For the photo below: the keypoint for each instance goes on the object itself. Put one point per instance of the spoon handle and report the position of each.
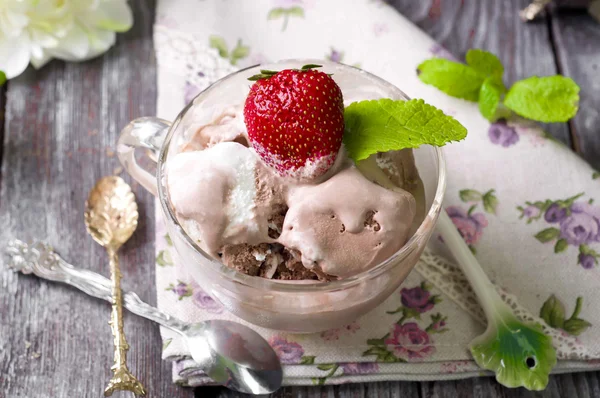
(479, 281)
(40, 259)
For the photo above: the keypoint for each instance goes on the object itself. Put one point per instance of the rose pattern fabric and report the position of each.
(359, 368)
(502, 134)
(287, 351)
(572, 222)
(416, 298)
(409, 342)
(470, 226)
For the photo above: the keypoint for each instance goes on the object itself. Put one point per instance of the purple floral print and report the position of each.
(579, 228)
(359, 368)
(181, 289)
(555, 213)
(573, 222)
(416, 298)
(287, 351)
(531, 212)
(205, 301)
(409, 342)
(502, 134)
(470, 226)
(587, 261)
(335, 55)
(190, 92)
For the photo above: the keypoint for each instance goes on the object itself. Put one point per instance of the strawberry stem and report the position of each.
(310, 66)
(265, 73)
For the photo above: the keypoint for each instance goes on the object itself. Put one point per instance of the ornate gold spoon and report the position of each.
(111, 216)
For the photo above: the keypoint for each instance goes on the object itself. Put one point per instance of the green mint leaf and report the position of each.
(453, 78)
(484, 62)
(386, 125)
(489, 97)
(545, 99)
(561, 246)
(548, 234)
(218, 43)
(2, 78)
(469, 195)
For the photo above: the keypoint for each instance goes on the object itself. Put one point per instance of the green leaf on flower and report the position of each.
(453, 78)
(307, 360)
(470, 195)
(164, 258)
(239, 52)
(595, 174)
(166, 343)
(326, 366)
(219, 43)
(382, 354)
(295, 11)
(520, 354)
(545, 99)
(547, 235)
(490, 202)
(576, 326)
(585, 249)
(490, 95)
(471, 210)
(553, 312)
(484, 62)
(383, 125)
(275, 13)
(168, 240)
(561, 246)
(2, 78)
(376, 342)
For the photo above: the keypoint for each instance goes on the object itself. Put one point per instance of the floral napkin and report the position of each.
(523, 202)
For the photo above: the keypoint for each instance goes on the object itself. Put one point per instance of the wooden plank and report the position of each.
(61, 126)
(577, 38)
(525, 49)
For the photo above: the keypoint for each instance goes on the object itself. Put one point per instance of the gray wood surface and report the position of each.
(58, 127)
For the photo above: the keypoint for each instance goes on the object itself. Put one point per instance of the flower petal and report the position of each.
(114, 15)
(14, 55)
(39, 60)
(100, 41)
(74, 46)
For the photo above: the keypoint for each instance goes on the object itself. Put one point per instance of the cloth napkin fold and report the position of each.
(523, 202)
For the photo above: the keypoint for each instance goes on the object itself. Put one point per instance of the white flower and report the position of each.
(73, 30)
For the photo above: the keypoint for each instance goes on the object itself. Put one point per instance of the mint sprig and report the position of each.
(383, 125)
(544, 99)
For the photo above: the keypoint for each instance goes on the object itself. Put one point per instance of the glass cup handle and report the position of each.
(148, 133)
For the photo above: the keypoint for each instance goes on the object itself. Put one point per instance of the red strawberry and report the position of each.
(295, 120)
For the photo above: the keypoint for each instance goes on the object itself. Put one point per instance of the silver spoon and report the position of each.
(229, 353)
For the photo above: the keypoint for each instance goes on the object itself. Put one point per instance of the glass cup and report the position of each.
(293, 306)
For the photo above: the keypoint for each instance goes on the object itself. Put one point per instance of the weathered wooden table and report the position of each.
(59, 126)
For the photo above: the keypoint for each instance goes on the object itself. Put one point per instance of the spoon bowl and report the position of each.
(234, 356)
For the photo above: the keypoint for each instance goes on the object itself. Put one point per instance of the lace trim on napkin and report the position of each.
(449, 279)
(185, 55)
